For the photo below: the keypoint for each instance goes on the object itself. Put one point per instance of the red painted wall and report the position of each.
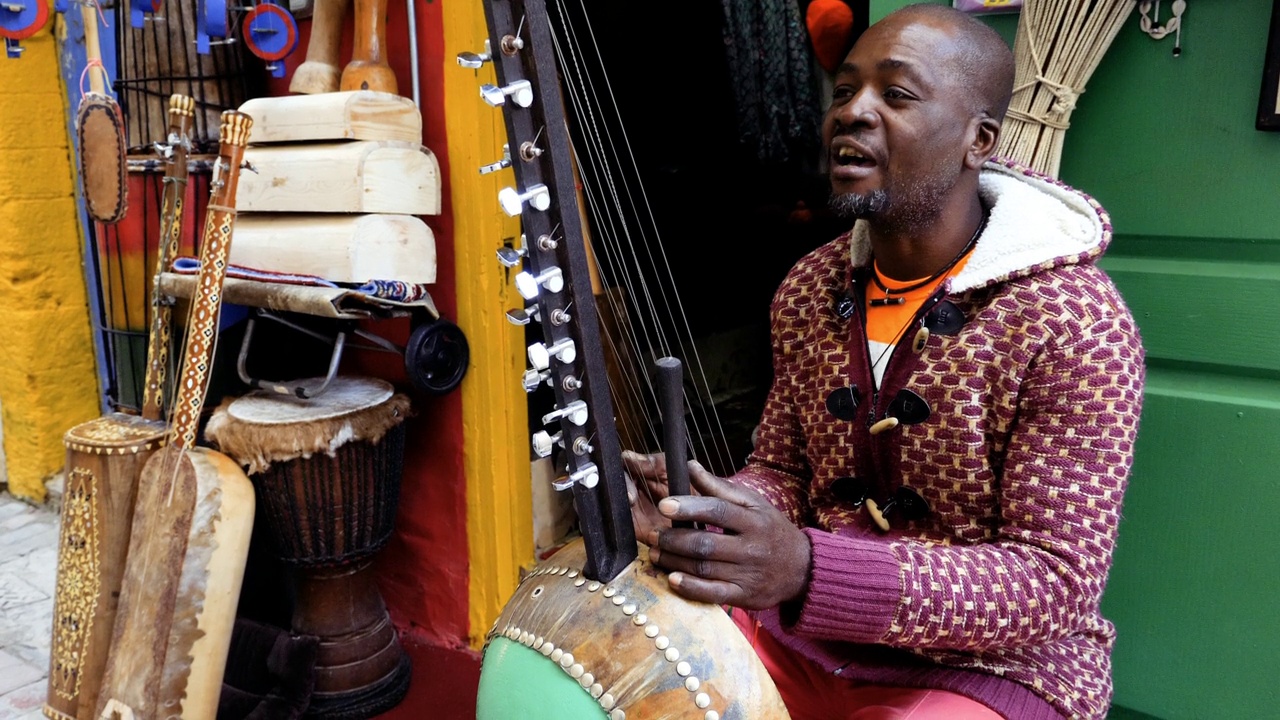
(423, 573)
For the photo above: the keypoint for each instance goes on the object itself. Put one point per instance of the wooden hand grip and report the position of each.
(320, 72)
(368, 69)
(92, 48)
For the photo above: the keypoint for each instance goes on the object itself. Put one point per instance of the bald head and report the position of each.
(979, 59)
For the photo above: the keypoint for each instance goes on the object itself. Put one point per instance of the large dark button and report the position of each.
(908, 407)
(908, 504)
(944, 319)
(851, 490)
(843, 403)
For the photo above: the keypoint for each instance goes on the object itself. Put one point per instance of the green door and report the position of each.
(1168, 146)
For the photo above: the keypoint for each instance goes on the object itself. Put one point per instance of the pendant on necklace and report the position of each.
(844, 307)
(881, 302)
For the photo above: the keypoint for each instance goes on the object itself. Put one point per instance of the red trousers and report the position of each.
(812, 694)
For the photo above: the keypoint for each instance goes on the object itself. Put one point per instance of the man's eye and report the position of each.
(895, 94)
(842, 93)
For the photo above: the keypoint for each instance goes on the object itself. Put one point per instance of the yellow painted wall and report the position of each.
(494, 406)
(48, 380)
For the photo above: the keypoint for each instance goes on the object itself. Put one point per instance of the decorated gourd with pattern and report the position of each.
(630, 645)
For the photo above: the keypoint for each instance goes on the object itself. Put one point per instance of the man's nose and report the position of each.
(860, 111)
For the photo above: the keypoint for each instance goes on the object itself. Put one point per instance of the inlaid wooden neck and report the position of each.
(181, 115)
(206, 301)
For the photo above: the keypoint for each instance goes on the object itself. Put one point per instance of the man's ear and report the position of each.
(985, 131)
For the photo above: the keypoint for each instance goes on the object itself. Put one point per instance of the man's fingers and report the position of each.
(702, 568)
(649, 467)
(657, 487)
(718, 501)
(707, 484)
(704, 509)
(716, 592)
(700, 545)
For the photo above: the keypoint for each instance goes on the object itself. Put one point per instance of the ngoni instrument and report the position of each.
(594, 627)
(105, 456)
(192, 519)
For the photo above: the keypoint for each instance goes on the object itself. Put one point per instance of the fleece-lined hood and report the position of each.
(1036, 223)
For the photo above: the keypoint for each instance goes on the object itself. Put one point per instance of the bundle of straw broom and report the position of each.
(1058, 46)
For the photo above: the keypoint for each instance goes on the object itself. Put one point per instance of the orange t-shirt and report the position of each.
(886, 324)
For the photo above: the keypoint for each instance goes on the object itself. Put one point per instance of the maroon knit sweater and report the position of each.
(1023, 461)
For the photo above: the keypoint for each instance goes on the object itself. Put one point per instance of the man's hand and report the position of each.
(646, 485)
(760, 561)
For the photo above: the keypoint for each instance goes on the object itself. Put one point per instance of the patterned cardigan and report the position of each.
(1033, 393)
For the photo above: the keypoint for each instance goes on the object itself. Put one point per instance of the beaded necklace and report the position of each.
(888, 292)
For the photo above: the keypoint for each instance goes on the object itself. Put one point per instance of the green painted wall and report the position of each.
(1168, 146)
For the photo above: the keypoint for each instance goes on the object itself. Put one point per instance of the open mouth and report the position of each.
(849, 157)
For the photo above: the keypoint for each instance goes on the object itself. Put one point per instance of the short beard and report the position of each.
(852, 206)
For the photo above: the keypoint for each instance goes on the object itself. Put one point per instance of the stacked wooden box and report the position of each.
(334, 186)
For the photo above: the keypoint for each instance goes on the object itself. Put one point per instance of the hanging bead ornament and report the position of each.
(1150, 22)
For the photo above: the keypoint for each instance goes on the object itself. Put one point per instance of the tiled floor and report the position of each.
(28, 570)
(444, 683)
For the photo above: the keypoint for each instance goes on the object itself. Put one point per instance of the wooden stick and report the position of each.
(93, 48)
(674, 445)
(321, 73)
(368, 69)
(181, 115)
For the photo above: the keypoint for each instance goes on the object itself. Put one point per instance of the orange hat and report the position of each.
(830, 25)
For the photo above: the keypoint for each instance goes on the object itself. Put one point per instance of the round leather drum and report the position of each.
(328, 470)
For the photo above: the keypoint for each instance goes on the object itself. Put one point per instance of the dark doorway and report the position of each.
(730, 218)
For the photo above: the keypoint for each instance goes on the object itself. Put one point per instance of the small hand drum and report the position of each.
(328, 473)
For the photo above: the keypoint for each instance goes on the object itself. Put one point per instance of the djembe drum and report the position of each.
(328, 473)
(570, 648)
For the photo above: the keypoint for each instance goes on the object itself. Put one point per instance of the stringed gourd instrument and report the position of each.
(105, 457)
(192, 519)
(594, 631)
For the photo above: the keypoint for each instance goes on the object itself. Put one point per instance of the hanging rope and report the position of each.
(1058, 46)
(1150, 24)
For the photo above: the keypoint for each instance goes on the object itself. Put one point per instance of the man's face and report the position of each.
(896, 129)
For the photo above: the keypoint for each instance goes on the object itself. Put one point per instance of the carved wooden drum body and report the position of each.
(328, 473)
(105, 456)
(629, 648)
